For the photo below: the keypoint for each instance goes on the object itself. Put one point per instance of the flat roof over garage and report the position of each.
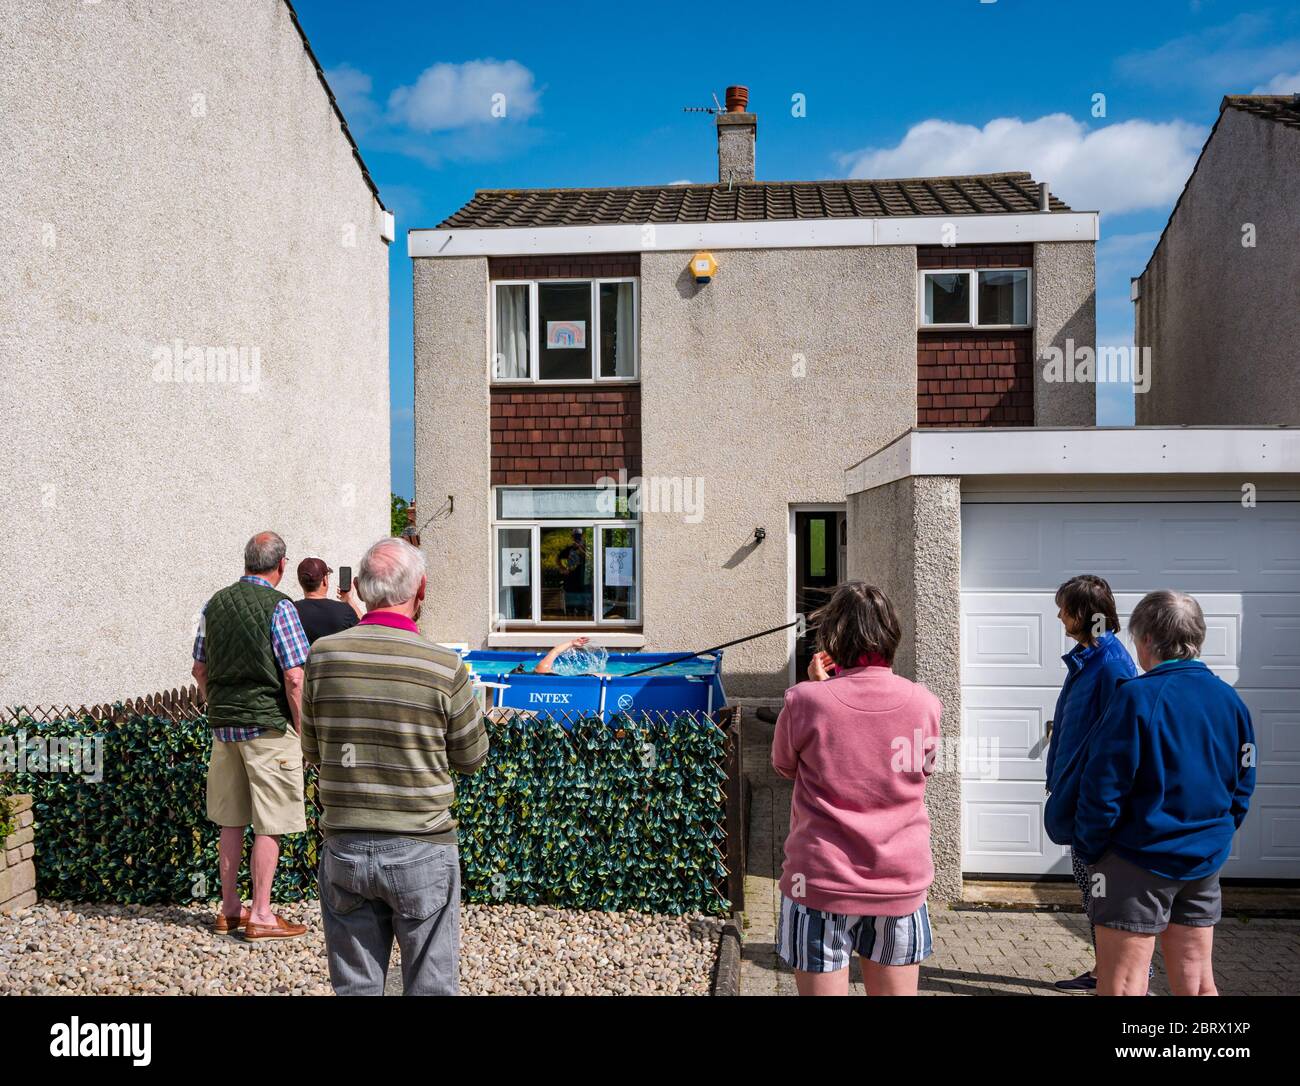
(1087, 450)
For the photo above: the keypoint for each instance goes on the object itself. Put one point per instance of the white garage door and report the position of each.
(1243, 565)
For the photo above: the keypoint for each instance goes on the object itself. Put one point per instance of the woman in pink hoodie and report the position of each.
(858, 741)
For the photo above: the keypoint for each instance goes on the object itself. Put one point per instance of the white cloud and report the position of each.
(351, 89)
(1120, 167)
(451, 102)
(451, 96)
(1280, 84)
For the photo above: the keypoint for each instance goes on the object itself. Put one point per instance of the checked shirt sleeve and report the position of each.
(288, 638)
(200, 652)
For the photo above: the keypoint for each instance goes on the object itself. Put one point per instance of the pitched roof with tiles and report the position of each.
(1282, 108)
(752, 201)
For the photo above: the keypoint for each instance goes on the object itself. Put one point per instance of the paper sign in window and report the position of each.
(514, 567)
(566, 335)
(620, 567)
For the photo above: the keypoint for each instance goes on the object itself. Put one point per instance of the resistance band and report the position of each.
(716, 648)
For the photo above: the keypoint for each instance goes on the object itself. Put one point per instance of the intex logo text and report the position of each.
(550, 699)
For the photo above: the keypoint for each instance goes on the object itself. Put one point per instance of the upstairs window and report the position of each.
(567, 330)
(975, 298)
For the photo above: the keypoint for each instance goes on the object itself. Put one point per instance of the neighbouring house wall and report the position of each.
(1221, 319)
(453, 444)
(905, 537)
(763, 384)
(174, 172)
(1065, 309)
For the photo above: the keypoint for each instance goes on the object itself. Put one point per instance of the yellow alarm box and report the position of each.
(703, 266)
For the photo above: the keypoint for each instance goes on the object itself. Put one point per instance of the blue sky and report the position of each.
(594, 95)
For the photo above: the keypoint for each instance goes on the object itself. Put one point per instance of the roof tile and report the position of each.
(1282, 108)
(757, 201)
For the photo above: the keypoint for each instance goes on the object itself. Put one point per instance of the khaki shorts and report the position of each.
(258, 781)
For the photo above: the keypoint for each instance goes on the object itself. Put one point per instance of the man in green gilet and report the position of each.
(249, 655)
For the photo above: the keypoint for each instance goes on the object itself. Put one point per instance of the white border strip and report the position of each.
(775, 234)
(1155, 450)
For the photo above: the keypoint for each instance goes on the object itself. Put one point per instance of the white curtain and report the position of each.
(625, 333)
(512, 332)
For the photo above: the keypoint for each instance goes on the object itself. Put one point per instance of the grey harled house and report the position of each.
(561, 337)
(837, 320)
(196, 345)
(1218, 303)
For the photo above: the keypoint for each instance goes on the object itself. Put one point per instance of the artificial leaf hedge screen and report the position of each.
(610, 816)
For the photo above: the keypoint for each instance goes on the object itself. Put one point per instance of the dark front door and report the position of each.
(819, 559)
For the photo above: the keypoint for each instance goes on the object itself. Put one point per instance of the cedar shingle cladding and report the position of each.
(573, 266)
(754, 201)
(974, 377)
(564, 434)
(970, 377)
(938, 257)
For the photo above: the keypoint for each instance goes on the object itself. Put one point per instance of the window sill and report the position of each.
(974, 327)
(550, 638)
(523, 382)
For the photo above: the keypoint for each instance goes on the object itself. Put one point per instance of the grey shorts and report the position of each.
(1131, 898)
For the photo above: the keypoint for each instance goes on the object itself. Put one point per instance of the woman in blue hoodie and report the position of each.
(1168, 781)
(1094, 668)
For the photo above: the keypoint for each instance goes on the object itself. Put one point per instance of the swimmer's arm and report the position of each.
(546, 662)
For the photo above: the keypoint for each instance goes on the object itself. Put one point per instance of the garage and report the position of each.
(970, 531)
(1242, 564)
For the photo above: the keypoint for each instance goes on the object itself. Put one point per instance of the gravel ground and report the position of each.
(54, 948)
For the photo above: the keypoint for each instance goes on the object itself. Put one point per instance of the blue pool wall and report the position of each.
(574, 696)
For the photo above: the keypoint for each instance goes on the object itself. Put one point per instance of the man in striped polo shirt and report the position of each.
(387, 715)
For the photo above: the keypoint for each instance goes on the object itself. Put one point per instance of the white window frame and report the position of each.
(972, 320)
(534, 526)
(534, 332)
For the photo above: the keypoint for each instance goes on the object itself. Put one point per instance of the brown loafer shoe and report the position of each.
(281, 929)
(224, 925)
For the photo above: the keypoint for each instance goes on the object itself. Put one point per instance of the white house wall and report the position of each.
(174, 172)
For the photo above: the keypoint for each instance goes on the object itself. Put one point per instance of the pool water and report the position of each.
(623, 666)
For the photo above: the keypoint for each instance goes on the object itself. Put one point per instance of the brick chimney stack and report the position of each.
(737, 132)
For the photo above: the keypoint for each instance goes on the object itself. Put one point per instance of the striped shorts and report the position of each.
(813, 941)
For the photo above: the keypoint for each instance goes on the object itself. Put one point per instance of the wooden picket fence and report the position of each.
(183, 703)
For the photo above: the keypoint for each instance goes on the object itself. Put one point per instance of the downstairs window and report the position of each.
(566, 556)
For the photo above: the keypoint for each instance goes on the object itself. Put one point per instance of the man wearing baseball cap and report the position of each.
(321, 615)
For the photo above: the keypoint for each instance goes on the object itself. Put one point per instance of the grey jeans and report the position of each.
(374, 888)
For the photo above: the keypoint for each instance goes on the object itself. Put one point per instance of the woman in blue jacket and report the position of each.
(1167, 783)
(1094, 668)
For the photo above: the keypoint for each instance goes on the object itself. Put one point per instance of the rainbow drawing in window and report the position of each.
(566, 335)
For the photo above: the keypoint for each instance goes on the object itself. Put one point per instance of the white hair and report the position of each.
(1172, 621)
(389, 573)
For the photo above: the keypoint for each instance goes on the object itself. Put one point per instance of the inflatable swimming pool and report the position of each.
(685, 686)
